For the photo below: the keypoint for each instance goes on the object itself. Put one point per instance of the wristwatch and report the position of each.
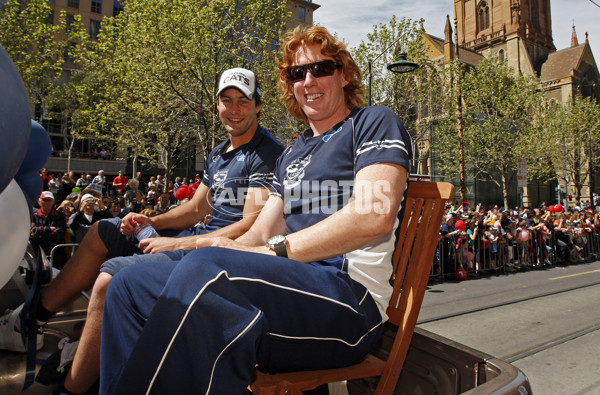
(278, 244)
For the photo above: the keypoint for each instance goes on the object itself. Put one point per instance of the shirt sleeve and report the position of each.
(276, 186)
(380, 137)
(260, 171)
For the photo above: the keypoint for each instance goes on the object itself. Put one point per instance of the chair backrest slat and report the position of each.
(412, 260)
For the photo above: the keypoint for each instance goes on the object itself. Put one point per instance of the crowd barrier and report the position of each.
(541, 249)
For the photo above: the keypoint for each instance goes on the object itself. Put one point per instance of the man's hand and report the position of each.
(127, 228)
(231, 244)
(154, 245)
(85, 204)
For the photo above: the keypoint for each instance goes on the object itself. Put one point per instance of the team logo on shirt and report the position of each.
(219, 180)
(295, 172)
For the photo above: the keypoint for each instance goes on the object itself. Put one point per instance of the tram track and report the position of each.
(546, 323)
(550, 344)
(503, 303)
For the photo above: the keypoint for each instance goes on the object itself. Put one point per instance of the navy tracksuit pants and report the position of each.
(200, 325)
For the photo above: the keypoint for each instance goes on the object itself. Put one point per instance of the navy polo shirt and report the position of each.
(228, 175)
(315, 176)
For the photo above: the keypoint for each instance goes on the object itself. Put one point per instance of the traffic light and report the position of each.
(570, 197)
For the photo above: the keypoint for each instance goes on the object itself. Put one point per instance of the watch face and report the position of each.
(276, 239)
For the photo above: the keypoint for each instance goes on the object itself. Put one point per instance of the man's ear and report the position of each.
(345, 80)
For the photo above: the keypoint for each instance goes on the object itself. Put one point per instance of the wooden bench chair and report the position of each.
(412, 262)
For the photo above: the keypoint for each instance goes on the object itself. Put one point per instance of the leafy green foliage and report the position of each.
(563, 141)
(152, 77)
(499, 112)
(419, 97)
(36, 46)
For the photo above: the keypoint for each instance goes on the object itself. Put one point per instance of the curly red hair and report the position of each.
(305, 36)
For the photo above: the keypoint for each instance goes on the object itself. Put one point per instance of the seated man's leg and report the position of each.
(103, 240)
(85, 368)
(121, 322)
(223, 311)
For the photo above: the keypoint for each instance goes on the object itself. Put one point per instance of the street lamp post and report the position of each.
(402, 65)
(591, 170)
(459, 117)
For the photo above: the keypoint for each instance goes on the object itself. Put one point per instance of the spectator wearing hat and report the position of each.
(48, 228)
(91, 209)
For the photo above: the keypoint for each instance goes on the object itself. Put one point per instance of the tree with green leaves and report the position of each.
(566, 135)
(499, 111)
(36, 46)
(156, 67)
(419, 97)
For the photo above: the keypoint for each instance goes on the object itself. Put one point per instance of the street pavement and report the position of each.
(545, 322)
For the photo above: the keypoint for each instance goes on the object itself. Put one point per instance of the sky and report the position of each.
(353, 19)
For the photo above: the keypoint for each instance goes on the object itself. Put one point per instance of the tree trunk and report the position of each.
(505, 189)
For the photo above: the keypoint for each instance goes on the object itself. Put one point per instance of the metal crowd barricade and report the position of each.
(539, 250)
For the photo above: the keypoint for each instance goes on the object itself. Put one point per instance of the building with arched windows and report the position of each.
(519, 32)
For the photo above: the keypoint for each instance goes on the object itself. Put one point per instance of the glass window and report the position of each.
(302, 14)
(50, 19)
(73, 4)
(70, 21)
(68, 52)
(117, 7)
(94, 29)
(96, 6)
(483, 15)
(501, 55)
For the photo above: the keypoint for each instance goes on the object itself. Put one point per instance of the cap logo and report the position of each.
(237, 77)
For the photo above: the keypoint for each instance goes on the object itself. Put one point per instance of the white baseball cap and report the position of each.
(87, 196)
(46, 194)
(243, 80)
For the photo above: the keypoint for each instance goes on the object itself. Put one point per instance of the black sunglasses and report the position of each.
(322, 68)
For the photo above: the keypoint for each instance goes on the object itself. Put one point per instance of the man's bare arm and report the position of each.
(181, 217)
(255, 200)
(369, 215)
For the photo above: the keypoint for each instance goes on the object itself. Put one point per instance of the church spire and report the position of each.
(574, 42)
(448, 30)
(448, 44)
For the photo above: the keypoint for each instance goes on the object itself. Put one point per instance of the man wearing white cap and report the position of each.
(91, 210)
(48, 227)
(234, 188)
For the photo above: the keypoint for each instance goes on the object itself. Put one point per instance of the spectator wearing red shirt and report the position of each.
(120, 183)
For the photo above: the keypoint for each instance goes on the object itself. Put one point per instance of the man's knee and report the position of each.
(101, 285)
(92, 239)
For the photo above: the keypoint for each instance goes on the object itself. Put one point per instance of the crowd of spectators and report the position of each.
(473, 239)
(498, 238)
(70, 204)
(94, 153)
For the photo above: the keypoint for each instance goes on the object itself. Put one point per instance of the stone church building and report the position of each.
(520, 33)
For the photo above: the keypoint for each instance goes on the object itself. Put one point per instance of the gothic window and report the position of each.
(501, 55)
(483, 15)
